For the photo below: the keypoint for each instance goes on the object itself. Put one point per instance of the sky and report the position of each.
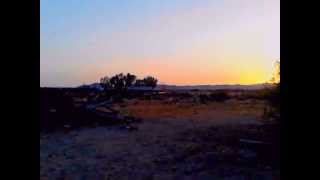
(182, 42)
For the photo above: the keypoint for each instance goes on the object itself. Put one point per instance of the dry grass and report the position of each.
(166, 142)
(154, 109)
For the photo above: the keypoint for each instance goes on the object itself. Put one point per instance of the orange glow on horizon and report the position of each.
(182, 43)
(172, 71)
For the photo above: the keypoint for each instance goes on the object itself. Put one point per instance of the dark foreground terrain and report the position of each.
(156, 137)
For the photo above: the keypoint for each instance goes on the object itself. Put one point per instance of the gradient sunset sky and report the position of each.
(183, 42)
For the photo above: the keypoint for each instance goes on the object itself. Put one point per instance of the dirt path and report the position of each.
(161, 148)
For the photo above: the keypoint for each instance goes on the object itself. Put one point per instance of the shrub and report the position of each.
(219, 96)
(150, 81)
(273, 97)
(204, 98)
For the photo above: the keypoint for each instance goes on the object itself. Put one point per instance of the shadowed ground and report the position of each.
(174, 141)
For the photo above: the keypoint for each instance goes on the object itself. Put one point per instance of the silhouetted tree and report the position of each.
(129, 80)
(118, 81)
(276, 75)
(273, 97)
(123, 82)
(150, 81)
(275, 100)
(105, 82)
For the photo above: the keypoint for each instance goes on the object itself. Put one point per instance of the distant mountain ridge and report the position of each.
(215, 87)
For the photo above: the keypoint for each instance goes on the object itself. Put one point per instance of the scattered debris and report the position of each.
(199, 152)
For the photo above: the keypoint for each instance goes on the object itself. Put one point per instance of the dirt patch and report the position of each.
(174, 141)
(213, 111)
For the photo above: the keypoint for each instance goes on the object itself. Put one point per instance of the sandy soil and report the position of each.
(166, 144)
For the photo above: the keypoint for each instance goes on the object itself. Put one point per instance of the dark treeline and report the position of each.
(124, 81)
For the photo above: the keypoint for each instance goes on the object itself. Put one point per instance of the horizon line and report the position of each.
(164, 84)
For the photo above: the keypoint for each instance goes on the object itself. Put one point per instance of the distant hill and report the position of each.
(214, 87)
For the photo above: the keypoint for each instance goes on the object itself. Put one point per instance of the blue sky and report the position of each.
(178, 41)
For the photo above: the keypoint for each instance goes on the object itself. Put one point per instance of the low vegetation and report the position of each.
(176, 132)
(122, 82)
(273, 97)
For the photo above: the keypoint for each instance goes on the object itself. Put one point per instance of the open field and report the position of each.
(212, 112)
(177, 138)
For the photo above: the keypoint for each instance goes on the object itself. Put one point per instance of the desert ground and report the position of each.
(174, 140)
